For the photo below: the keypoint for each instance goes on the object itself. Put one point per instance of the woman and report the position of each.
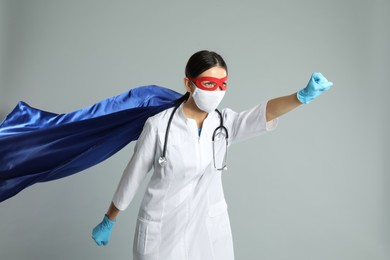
(183, 214)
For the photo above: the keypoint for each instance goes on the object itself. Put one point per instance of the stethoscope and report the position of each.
(220, 129)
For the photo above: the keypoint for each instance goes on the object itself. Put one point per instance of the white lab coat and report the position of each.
(183, 215)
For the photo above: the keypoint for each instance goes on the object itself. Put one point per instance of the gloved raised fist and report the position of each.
(102, 232)
(317, 84)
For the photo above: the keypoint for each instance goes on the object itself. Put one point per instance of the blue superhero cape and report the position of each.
(39, 146)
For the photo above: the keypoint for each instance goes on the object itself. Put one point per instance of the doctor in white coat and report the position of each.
(183, 215)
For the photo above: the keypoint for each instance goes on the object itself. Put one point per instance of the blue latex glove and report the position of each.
(102, 232)
(317, 84)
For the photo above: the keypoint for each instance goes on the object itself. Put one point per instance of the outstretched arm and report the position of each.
(279, 106)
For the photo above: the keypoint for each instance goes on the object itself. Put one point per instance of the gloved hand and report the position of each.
(317, 84)
(102, 232)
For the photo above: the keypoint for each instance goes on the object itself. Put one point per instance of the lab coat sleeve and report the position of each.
(249, 123)
(137, 168)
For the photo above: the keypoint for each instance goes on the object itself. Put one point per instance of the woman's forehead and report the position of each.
(216, 72)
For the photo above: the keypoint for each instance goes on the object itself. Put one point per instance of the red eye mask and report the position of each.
(210, 83)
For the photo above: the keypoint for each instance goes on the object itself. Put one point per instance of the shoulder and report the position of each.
(231, 115)
(228, 113)
(155, 122)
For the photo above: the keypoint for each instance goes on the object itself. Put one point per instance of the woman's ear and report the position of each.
(188, 84)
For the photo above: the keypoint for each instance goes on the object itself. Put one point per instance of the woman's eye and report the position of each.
(209, 84)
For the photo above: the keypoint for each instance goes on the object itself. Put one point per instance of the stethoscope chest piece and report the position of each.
(162, 161)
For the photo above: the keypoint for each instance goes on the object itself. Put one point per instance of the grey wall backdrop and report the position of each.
(2, 56)
(316, 188)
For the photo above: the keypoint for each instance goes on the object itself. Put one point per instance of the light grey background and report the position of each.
(316, 188)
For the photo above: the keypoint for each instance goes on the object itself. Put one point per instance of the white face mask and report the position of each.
(207, 101)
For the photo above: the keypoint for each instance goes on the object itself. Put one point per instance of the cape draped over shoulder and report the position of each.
(39, 146)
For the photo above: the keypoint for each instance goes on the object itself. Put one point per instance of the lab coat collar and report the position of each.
(186, 119)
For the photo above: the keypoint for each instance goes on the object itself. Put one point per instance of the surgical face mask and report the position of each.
(207, 101)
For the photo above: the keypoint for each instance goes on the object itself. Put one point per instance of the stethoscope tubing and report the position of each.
(162, 159)
(167, 132)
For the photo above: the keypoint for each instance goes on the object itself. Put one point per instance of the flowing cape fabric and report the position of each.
(38, 146)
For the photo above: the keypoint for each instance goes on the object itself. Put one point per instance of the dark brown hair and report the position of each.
(202, 61)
